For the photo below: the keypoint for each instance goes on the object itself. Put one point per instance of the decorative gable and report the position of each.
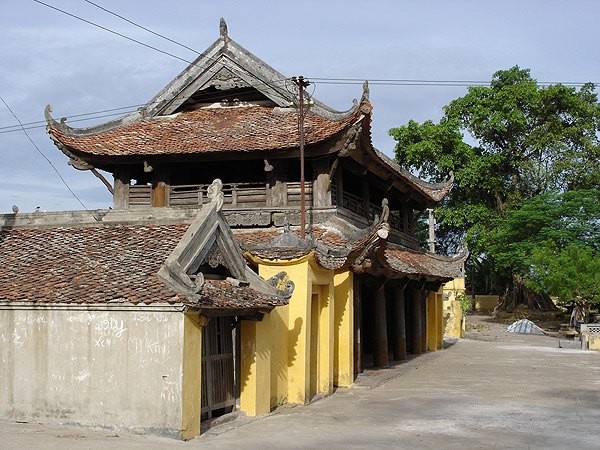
(208, 251)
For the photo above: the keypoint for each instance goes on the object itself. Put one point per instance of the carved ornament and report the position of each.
(224, 80)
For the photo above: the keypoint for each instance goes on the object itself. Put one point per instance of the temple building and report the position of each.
(269, 264)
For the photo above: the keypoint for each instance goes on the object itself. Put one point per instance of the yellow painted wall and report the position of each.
(453, 314)
(255, 373)
(343, 368)
(326, 337)
(191, 385)
(439, 305)
(288, 336)
(593, 342)
(285, 335)
(486, 303)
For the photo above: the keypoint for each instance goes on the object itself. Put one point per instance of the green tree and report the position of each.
(552, 242)
(505, 143)
(571, 274)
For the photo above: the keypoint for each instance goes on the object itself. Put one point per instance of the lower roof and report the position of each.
(117, 262)
(104, 264)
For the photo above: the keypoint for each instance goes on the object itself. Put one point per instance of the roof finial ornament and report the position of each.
(366, 90)
(215, 193)
(223, 28)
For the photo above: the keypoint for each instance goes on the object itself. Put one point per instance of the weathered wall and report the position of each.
(453, 318)
(486, 303)
(116, 369)
(289, 356)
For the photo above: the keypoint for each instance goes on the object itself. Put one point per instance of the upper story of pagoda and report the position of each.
(231, 116)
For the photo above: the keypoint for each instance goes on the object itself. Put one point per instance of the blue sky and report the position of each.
(50, 58)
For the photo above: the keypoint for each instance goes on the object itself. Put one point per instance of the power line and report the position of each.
(316, 80)
(43, 122)
(112, 31)
(141, 26)
(425, 82)
(48, 160)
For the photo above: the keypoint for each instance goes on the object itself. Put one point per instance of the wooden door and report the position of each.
(218, 368)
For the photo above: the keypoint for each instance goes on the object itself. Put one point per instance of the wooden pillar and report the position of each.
(432, 328)
(276, 179)
(366, 197)
(321, 193)
(380, 351)
(160, 189)
(417, 322)
(399, 323)
(339, 182)
(357, 300)
(424, 327)
(121, 191)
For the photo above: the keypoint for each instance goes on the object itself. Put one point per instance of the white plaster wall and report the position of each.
(114, 369)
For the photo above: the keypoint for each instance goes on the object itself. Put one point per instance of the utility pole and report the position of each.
(302, 84)
(431, 240)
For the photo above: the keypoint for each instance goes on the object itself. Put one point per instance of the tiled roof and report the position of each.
(100, 264)
(334, 249)
(414, 263)
(206, 130)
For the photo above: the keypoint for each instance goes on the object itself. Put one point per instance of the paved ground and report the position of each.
(491, 390)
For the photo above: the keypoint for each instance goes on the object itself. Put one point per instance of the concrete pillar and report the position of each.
(255, 379)
(326, 338)
(191, 383)
(380, 341)
(343, 369)
(399, 324)
(299, 335)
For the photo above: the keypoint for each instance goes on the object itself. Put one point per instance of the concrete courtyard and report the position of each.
(491, 390)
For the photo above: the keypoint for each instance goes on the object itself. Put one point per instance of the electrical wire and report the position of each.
(112, 31)
(141, 26)
(314, 80)
(48, 160)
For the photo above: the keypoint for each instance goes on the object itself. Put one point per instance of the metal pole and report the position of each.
(301, 83)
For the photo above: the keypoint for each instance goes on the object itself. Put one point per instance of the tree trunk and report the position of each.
(520, 294)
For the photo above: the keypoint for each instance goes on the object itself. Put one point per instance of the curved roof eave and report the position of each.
(223, 53)
(433, 193)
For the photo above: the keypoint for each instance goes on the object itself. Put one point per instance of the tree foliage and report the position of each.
(553, 242)
(506, 143)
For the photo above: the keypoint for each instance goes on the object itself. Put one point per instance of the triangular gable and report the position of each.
(227, 65)
(209, 240)
(224, 65)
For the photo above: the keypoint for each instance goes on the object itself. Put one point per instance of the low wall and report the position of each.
(112, 368)
(486, 303)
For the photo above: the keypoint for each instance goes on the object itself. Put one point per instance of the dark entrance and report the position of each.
(219, 391)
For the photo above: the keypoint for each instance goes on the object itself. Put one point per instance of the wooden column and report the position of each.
(160, 189)
(423, 295)
(399, 323)
(121, 191)
(366, 197)
(339, 182)
(276, 178)
(417, 322)
(321, 194)
(380, 341)
(357, 326)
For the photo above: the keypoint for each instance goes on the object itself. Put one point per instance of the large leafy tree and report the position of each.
(505, 143)
(553, 243)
